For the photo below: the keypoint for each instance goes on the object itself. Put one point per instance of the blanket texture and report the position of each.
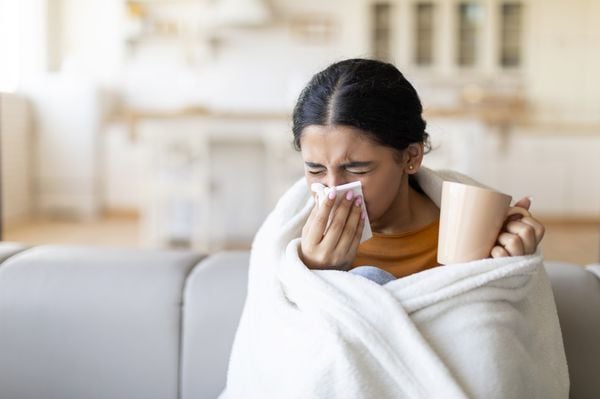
(483, 329)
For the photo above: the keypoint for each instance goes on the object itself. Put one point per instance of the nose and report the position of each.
(334, 179)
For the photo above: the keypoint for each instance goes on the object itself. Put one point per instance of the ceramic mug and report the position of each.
(470, 220)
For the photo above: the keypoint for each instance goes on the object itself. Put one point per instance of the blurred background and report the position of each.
(166, 123)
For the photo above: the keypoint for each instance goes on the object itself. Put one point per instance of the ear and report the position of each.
(413, 155)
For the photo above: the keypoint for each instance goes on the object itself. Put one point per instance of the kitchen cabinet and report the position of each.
(211, 181)
(558, 166)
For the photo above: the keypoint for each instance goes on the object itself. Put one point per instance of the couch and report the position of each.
(86, 323)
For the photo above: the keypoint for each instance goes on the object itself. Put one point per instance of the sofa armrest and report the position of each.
(8, 249)
(595, 269)
(214, 297)
(577, 295)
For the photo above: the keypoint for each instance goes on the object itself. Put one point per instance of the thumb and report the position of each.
(524, 202)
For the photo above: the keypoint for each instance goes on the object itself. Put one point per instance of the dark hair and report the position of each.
(366, 94)
(370, 95)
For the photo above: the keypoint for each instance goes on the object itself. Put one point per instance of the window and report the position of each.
(424, 33)
(469, 21)
(381, 13)
(510, 35)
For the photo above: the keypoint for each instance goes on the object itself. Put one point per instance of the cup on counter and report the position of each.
(470, 220)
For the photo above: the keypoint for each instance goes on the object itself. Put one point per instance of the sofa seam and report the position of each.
(194, 264)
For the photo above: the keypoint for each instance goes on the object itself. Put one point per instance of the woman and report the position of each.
(309, 329)
(361, 120)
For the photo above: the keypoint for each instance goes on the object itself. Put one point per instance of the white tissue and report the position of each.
(322, 191)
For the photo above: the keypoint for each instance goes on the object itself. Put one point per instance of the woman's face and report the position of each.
(335, 155)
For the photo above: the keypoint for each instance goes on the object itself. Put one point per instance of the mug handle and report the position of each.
(517, 210)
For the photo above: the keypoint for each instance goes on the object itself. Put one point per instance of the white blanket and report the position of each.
(484, 329)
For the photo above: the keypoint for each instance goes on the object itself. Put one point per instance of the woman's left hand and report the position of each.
(519, 237)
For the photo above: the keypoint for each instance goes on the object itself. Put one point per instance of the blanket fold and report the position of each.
(483, 329)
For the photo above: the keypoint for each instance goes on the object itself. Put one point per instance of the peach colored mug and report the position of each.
(470, 220)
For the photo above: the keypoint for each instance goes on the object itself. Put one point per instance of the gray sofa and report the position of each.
(91, 323)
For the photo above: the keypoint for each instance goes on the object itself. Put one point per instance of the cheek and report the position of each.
(379, 196)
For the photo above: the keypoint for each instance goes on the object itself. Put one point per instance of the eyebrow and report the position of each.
(353, 164)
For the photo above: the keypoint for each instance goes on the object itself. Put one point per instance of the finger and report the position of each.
(352, 225)
(499, 252)
(527, 234)
(338, 222)
(357, 236)
(524, 202)
(309, 220)
(538, 228)
(321, 218)
(512, 243)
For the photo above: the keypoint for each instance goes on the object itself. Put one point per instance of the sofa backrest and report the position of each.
(95, 323)
(91, 323)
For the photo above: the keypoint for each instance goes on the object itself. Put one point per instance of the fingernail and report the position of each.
(349, 195)
(530, 199)
(363, 215)
(358, 201)
(332, 194)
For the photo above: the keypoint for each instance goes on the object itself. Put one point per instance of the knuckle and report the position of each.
(328, 203)
(529, 232)
(513, 241)
(306, 248)
(321, 219)
(348, 202)
(337, 223)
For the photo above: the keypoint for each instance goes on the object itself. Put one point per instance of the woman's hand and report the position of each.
(519, 237)
(334, 247)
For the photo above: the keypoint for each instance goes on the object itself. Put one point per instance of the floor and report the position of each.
(575, 242)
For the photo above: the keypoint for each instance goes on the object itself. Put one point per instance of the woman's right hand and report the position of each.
(334, 247)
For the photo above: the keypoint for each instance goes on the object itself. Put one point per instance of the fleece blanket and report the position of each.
(483, 329)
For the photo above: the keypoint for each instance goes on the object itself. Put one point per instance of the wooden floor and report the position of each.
(576, 242)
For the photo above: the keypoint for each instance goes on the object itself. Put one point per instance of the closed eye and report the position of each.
(357, 172)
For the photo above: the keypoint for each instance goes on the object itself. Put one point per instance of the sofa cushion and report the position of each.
(91, 323)
(214, 297)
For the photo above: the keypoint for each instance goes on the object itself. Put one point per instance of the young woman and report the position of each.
(361, 120)
(309, 329)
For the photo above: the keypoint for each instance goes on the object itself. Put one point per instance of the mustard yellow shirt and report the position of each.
(401, 254)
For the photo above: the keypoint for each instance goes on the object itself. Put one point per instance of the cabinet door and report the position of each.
(238, 189)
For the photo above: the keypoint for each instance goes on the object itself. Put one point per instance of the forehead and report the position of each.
(335, 143)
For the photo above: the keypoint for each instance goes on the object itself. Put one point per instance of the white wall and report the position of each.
(250, 69)
(91, 37)
(559, 70)
(562, 80)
